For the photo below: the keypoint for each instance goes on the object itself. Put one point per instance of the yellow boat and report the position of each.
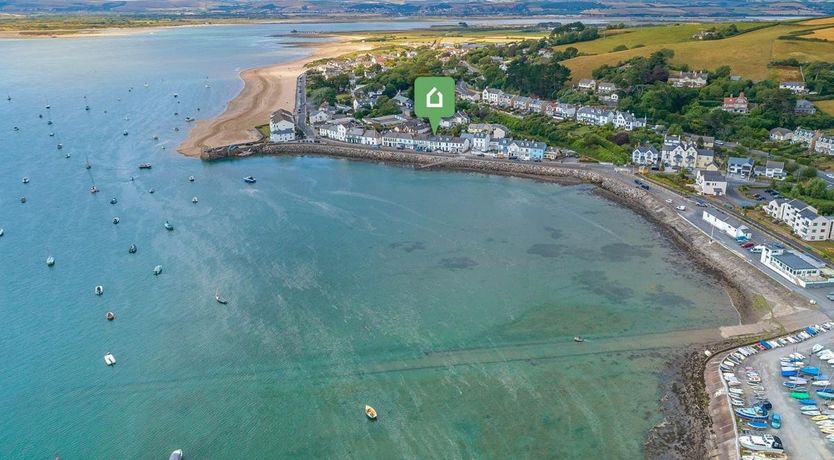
(370, 412)
(817, 418)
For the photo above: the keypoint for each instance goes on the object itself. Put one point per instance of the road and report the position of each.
(798, 433)
(694, 215)
(301, 107)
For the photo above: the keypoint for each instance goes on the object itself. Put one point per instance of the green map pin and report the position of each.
(434, 98)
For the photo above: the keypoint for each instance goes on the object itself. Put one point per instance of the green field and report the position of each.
(748, 54)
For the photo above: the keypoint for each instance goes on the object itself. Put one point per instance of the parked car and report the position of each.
(748, 245)
(757, 249)
(668, 201)
(680, 207)
(701, 204)
(644, 186)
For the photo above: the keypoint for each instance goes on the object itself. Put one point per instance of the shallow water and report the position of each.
(446, 300)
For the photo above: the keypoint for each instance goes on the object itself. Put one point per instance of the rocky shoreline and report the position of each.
(686, 428)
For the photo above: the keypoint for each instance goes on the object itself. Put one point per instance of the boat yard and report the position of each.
(781, 376)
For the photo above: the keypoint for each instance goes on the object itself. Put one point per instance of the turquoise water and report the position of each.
(446, 300)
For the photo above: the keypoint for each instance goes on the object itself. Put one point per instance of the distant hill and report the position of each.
(445, 8)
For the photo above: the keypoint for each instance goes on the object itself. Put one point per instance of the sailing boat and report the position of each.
(219, 299)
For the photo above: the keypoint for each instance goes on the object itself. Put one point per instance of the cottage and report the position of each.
(726, 223)
(710, 183)
(281, 126)
(479, 141)
(705, 159)
(689, 79)
(804, 107)
(781, 134)
(587, 84)
(627, 121)
(740, 166)
(458, 118)
(402, 101)
(796, 87)
(495, 130)
(738, 104)
(319, 116)
(594, 116)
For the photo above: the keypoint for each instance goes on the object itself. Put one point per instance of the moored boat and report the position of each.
(157, 270)
(219, 299)
(145, 166)
(109, 359)
(194, 200)
(132, 249)
(99, 290)
(116, 220)
(50, 261)
(249, 180)
(190, 178)
(110, 316)
(578, 339)
(168, 226)
(370, 412)
(176, 455)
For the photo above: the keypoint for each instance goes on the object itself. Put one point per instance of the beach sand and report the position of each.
(265, 90)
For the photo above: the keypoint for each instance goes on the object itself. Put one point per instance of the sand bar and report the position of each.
(265, 90)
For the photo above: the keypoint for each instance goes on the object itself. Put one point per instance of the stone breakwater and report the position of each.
(686, 429)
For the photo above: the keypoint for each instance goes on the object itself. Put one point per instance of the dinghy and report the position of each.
(50, 261)
(99, 290)
(370, 412)
(176, 455)
(219, 299)
(132, 249)
(109, 359)
(110, 316)
(168, 226)
(758, 425)
(157, 270)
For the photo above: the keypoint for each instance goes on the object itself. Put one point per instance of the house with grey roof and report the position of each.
(804, 220)
(796, 267)
(774, 169)
(804, 107)
(645, 155)
(740, 166)
(710, 183)
(781, 134)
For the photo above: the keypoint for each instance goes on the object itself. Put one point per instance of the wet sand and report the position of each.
(266, 89)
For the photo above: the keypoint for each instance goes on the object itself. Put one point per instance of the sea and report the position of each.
(447, 301)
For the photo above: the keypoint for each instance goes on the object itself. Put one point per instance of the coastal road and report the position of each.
(694, 215)
(798, 433)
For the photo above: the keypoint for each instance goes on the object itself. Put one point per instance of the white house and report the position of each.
(319, 116)
(796, 87)
(336, 132)
(774, 169)
(645, 156)
(804, 220)
(281, 126)
(458, 118)
(605, 87)
(677, 153)
(480, 141)
(688, 79)
(805, 136)
(587, 84)
(740, 166)
(627, 121)
(726, 223)
(781, 134)
(710, 183)
(824, 145)
(794, 267)
(594, 116)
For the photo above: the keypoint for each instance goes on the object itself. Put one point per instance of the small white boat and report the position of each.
(190, 178)
(157, 270)
(764, 443)
(370, 412)
(168, 226)
(249, 180)
(110, 316)
(113, 200)
(194, 200)
(116, 220)
(109, 359)
(2, 232)
(99, 290)
(578, 339)
(219, 299)
(821, 383)
(176, 455)
(817, 348)
(25, 180)
(50, 261)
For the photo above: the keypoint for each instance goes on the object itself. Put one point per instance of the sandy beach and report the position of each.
(265, 90)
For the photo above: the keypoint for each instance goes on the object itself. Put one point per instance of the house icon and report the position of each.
(430, 103)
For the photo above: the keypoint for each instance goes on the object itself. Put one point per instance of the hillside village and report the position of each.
(366, 99)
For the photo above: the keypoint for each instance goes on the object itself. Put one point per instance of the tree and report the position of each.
(808, 173)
